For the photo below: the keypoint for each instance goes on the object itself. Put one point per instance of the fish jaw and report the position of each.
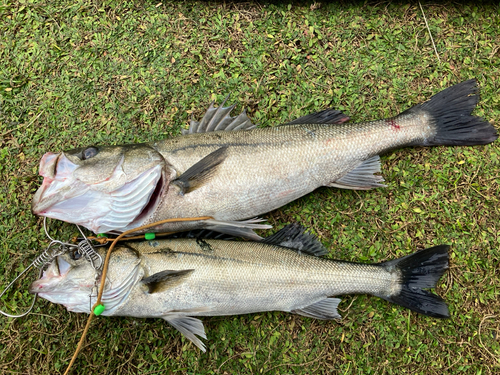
(64, 197)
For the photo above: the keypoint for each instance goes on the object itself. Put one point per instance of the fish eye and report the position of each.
(89, 152)
(75, 254)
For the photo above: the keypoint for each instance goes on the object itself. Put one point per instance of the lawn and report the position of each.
(76, 73)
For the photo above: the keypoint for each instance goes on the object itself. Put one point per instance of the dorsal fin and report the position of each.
(327, 116)
(294, 237)
(218, 118)
(204, 234)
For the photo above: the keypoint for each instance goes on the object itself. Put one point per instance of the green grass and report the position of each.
(108, 72)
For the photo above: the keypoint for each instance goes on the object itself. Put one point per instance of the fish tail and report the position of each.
(419, 271)
(450, 113)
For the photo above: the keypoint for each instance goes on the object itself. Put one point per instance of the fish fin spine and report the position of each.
(419, 271)
(450, 112)
(219, 119)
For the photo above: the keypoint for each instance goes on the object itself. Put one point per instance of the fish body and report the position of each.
(181, 279)
(228, 169)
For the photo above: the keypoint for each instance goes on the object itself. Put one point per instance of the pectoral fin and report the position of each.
(326, 309)
(189, 327)
(164, 280)
(201, 172)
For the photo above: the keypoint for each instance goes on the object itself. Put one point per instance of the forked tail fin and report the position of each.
(450, 111)
(418, 271)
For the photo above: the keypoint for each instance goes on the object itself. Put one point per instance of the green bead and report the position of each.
(99, 309)
(99, 235)
(149, 236)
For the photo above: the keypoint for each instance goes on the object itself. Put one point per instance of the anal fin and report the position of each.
(238, 228)
(362, 177)
(326, 309)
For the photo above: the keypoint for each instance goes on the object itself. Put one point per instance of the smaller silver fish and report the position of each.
(180, 279)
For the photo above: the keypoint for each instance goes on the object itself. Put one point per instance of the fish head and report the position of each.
(70, 280)
(102, 188)
(66, 282)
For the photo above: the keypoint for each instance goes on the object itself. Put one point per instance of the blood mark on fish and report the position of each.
(330, 142)
(393, 124)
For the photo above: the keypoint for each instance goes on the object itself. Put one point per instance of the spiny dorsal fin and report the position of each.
(294, 237)
(163, 280)
(327, 116)
(200, 172)
(219, 118)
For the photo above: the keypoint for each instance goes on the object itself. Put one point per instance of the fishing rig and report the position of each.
(84, 247)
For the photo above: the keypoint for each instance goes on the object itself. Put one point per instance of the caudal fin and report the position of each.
(419, 271)
(450, 111)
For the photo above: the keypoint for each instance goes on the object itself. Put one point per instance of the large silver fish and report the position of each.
(227, 169)
(181, 279)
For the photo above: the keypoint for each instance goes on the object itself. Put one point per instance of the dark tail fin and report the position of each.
(451, 111)
(418, 271)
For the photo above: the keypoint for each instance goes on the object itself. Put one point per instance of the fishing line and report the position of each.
(98, 308)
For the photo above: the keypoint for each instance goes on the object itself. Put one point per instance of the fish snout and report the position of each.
(57, 172)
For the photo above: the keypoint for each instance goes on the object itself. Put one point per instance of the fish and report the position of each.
(182, 279)
(225, 168)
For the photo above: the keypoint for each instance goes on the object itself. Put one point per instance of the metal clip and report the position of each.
(86, 248)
